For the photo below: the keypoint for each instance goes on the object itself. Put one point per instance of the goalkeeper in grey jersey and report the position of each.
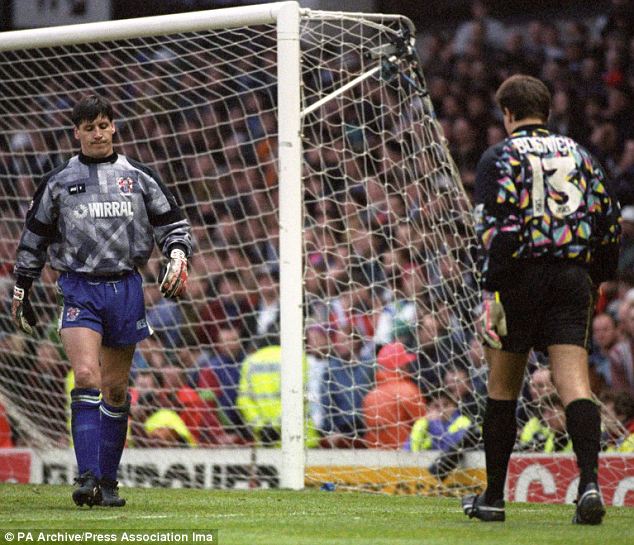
(96, 218)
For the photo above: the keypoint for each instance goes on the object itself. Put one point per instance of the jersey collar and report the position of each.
(530, 128)
(97, 160)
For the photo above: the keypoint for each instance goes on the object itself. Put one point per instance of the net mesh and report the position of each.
(388, 247)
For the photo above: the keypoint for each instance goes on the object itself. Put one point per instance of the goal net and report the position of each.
(328, 220)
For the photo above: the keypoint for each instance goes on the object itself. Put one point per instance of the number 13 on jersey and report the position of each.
(554, 171)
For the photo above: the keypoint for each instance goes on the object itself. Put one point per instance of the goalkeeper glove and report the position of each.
(174, 274)
(22, 311)
(493, 319)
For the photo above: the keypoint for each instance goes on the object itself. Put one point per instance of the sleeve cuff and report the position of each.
(23, 282)
(178, 246)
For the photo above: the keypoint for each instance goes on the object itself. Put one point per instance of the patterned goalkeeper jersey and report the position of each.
(99, 217)
(540, 195)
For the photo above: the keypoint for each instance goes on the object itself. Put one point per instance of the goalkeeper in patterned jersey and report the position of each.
(548, 235)
(97, 216)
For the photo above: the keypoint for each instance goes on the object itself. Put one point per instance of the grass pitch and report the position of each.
(308, 517)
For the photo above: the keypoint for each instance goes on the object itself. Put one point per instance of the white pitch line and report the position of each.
(90, 517)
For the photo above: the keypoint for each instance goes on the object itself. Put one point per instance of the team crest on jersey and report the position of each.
(72, 313)
(125, 184)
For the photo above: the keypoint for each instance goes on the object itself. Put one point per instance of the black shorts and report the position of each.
(548, 303)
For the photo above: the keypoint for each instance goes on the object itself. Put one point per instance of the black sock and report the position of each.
(583, 422)
(499, 431)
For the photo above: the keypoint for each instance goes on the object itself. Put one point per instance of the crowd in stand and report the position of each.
(392, 356)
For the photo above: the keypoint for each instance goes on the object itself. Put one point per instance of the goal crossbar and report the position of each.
(142, 27)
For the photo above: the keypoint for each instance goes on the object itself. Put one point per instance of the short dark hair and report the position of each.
(439, 394)
(524, 96)
(90, 108)
(623, 403)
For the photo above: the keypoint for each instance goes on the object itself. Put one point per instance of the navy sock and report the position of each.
(499, 431)
(85, 424)
(114, 428)
(583, 422)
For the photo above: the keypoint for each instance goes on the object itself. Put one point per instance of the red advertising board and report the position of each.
(554, 479)
(15, 465)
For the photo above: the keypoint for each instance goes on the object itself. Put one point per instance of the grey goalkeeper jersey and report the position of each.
(99, 216)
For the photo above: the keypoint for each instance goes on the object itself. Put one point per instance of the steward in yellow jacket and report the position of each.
(259, 395)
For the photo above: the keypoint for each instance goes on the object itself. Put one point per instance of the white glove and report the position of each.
(174, 275)
(493, 319)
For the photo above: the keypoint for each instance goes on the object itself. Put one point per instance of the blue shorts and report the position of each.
(112, 306)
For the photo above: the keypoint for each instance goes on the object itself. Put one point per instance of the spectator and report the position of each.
(467, 146)
(144, 382)
(624, 184)
(478, 110)
(620, 20)
(619, 112)
(267, 308)
(478, 371)
(150, 354)
(540, 386)
(347, 380)
(604, 338)
(31, 156)
(621, 360)
(563, 118)
(444, 428)
(16, 370)
(589, 85)
(432, 353)
(166, 318)
(604, 144)
(618, 422)
(228, 307)
(201, 419)
(457, 384)
(46, 381)
(317, 344)
(626, 255)
(395, 403)
(495, 134)
(534, 41)
(259, 396)
(549, 433)
(494, 32)
(355, 308)
(551, 42)
(397, 320)
(154, 426)
(219, 376)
